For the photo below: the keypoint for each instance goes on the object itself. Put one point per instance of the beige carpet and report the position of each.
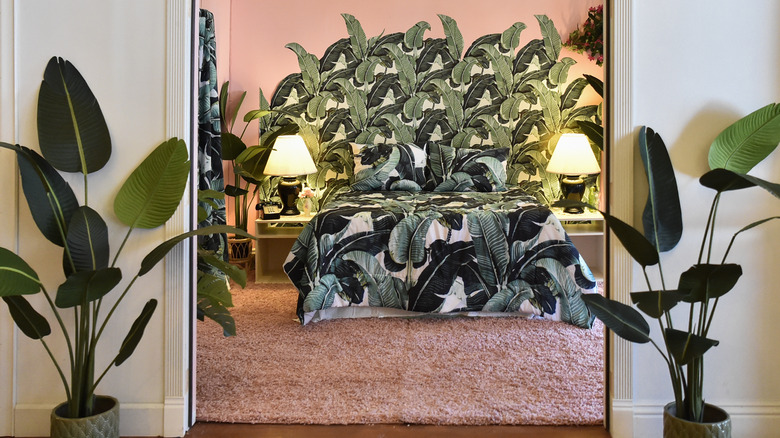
(470, 371)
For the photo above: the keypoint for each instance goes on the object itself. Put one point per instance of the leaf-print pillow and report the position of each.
(466, 170)
(389, 167)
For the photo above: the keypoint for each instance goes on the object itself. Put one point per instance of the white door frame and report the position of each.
(620, 164)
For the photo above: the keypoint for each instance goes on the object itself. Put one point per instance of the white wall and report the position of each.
(120, 49)
(697, 67)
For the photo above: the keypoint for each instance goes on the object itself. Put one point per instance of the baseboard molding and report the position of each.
(748, 420)
(135, 419)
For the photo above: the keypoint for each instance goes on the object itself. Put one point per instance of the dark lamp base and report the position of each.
(289, 188)
(572, 188)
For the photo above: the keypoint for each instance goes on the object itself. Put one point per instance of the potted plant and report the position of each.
(247, 165)
(74, 137)
(732, 154)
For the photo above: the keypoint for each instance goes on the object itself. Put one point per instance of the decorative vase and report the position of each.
(306, 206)
(716, 424)
(104, 424)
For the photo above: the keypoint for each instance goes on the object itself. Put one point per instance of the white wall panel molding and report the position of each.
(177, 263)
(621, 158)
(9, 217)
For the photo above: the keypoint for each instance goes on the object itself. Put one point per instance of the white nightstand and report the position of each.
(587, 232)
(268, 230)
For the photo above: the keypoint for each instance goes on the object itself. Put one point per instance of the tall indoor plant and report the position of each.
(74, 137)
(247, 166)
(732, 154)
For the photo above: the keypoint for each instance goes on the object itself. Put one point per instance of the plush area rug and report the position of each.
(469, 371)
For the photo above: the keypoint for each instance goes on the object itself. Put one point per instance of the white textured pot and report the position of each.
(104, 424)
(716, 424)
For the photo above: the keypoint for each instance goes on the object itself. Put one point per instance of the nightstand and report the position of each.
(271, 235)
(586, 231)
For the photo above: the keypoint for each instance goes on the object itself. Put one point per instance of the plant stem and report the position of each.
(116, 256)
(707, 227)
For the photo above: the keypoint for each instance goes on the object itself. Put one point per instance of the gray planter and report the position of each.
(104, 424)
(717, 424)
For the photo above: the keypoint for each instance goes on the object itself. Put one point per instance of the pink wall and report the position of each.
(258, 30)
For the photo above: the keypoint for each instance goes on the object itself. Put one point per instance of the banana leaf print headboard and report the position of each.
(404, 88)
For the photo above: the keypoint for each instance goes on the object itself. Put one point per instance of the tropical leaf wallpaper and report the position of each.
(405, 88)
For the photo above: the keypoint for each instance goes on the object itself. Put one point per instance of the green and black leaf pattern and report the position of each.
(440, 253)
(389, 167)
(402, 87)
(466, 170)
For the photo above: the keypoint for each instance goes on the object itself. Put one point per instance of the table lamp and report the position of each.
(573, 158)
(289, 158)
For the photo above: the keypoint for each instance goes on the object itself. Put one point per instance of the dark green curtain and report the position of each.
(210, 175)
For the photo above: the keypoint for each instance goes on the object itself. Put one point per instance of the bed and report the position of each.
(435, 231)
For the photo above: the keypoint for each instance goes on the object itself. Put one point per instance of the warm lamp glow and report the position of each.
(289, 157)
(573, 156)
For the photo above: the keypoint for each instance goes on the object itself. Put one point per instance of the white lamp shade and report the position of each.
(289, 157)
(573, 156)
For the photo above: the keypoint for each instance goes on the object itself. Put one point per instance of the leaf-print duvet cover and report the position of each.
(403, 253)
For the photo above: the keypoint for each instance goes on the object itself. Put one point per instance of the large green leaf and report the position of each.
(453, 36)
(635, 243)
(49, 197)
(655, 303)
(218, 313)
(380, 286)
(407, 239)
(685, 346)
(136, 332)
(724, 180)
(310, 68)
(16, 276)
(72, 132)
(706, 281)
(232, 146)
(151, 194)
(232, 271)
(490, 245)
(594, 132)
(357, 37)
(596, 83)
(159, 252)
(88, 240)
(251, 162)
(87, 286)
(624, 320)
(662, 217)
(30, 322)
(414, 37)
(510, 38)
(552, 40)
(747, 141)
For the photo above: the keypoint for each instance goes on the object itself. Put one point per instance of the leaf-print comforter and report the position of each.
(402, 253)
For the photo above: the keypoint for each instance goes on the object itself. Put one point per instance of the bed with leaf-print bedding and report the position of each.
(435, 231)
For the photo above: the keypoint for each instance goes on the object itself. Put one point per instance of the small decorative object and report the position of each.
(573, 158)
(289, 158)
(306, 194)
(590, 39)
(733, 153)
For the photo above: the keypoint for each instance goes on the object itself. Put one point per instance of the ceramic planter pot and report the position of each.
(104, 424)
(717, 424)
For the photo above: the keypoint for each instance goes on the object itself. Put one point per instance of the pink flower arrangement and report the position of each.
(307, 192)
(590, 39)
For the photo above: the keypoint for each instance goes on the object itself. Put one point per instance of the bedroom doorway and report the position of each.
(585, 236)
